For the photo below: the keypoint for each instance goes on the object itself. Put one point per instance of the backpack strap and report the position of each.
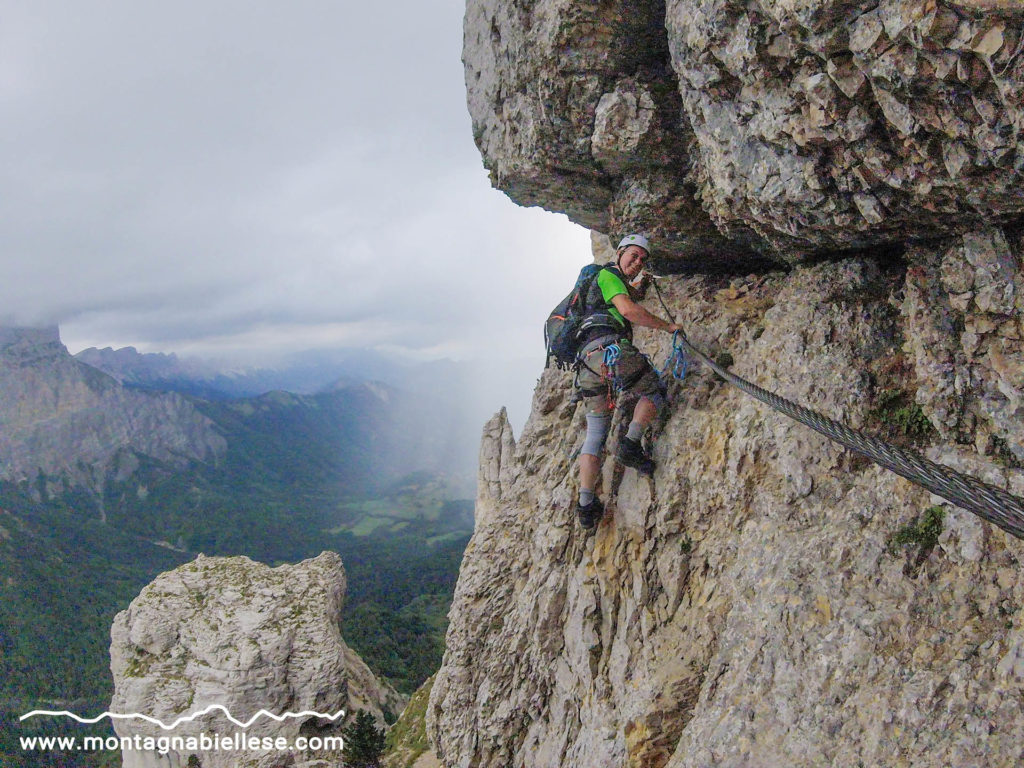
(598, 319)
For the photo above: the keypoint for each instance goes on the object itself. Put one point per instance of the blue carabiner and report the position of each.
(677, 362)
(611, 355)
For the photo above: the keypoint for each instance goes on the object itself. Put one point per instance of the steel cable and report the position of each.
(988, 502)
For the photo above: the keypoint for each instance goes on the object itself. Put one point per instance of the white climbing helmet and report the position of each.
(634, 240)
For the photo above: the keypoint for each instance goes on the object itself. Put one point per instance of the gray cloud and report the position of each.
(239, 177)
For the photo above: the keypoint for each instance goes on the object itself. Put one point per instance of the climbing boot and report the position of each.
(590, 514)
(631, 454)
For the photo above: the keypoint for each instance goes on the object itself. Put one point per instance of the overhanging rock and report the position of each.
(738, 132)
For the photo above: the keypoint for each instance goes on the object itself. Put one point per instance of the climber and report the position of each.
(609, 364)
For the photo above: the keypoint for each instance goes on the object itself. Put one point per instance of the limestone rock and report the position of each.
(748, 607)
(624, 120)
(575, 108)
(239, 634)
(732, 131)
(963, 306)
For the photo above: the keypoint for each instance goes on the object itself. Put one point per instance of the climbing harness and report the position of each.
(616, 387)
(987, 501)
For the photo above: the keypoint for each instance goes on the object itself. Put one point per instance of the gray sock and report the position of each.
(586, 496)
(636, 431)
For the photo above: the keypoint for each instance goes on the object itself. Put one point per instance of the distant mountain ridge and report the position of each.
(129, 366)
(441, 405)
(304, 374)
(69, 422)
(76, 425)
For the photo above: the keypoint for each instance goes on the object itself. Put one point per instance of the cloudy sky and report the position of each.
(228, 178)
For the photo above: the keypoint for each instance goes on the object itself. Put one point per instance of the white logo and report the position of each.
(183, 719)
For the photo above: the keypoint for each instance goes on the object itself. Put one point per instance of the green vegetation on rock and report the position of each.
(923, 533)
(899, 416)
(407, 739)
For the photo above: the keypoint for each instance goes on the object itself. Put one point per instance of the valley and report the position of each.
(344, 469)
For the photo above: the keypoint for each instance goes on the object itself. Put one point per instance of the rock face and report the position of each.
(78, 426)
(752, 605)
(236, 633)
(768, 598)
(734, 131)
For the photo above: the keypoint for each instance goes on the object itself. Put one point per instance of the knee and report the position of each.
(659, 401)
(597, 431)
(650, 406)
